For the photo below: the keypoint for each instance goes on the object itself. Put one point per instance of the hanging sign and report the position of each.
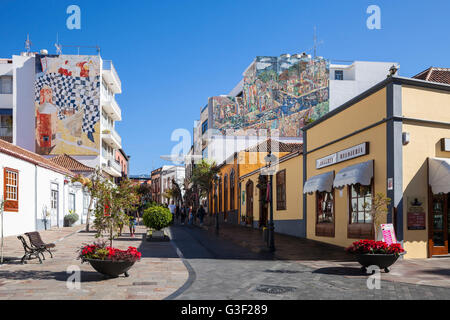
(343, 155)
(388, 233)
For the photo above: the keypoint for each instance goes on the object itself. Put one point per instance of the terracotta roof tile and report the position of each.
(432, 74)
(70, 163)
(265, 146)
(20, 153)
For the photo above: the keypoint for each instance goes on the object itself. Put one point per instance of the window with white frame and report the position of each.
(11, 189)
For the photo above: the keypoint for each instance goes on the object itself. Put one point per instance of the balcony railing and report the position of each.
(111, 105)
(108, 130)
(108, 66)
(114, 164)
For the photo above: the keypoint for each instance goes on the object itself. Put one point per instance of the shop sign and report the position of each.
(416, 213)
(326, 161)
(445, 144)
(344, 155)
(388, 233)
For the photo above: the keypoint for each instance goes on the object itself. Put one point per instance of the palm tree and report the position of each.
(203, 175)
(174, 192)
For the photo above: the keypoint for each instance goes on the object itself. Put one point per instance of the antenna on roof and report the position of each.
(28, 43)
(316, 43)
(58, 46)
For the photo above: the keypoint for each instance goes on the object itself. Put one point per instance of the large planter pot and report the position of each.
(111, 268)
(383, 261)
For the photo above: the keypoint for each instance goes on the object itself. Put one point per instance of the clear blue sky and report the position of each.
(172, 55)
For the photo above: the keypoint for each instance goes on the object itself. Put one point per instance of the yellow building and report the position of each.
(226, 191)
(287, 210)
(392, 139)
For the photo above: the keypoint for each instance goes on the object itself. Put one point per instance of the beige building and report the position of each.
(392, 139)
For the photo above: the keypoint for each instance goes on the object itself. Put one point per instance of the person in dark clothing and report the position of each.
(201, 214)
(183, 214)
(177, 213)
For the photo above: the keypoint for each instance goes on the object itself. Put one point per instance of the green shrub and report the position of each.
(157, 217)
(70, 219)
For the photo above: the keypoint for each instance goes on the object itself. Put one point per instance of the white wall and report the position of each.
(358, 77)
(35, 195)
(24, 220)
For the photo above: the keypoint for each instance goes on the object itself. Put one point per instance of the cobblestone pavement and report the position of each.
(331, 259)
(221, 269)
(159, 273)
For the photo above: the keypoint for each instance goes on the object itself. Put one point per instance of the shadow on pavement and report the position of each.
(287, 247)
(86, 276)
(442, 272)
(341, 271)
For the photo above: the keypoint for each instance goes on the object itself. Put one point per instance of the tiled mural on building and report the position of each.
(278, 93)
(67, 105)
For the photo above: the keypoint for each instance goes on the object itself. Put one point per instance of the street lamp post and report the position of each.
(269, 159)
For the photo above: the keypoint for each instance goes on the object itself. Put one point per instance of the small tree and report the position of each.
(157, 217)
(378, 210)
(94, 186)
(144, 191)
(203, 175)
(113, 202)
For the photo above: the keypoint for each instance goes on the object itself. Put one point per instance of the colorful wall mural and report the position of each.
(67, 104)
(278, 93)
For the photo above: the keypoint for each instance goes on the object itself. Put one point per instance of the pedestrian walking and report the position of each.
(183, 215)
(132, 222)
(177, 213)
(172, 210)
(201, 214)
(191, 215)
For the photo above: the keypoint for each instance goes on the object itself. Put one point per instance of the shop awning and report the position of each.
(321, 182)
(439, 175)
(360, 173)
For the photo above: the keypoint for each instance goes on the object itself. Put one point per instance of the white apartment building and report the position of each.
(56, 104)
(168, 174)
(349, 80)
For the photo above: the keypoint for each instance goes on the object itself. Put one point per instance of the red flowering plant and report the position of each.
(374, 247)
(99, 251)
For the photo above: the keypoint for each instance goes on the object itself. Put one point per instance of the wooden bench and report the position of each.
(37, 243)
(29, 251)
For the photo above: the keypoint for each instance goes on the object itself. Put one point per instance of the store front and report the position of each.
(439, 205)
(393, 140)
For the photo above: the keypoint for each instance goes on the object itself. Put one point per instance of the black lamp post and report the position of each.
(217, 180)
(269, 159)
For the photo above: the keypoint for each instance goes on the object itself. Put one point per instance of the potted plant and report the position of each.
(111, 202)
(371, 252)
(108, 260)
(156, 218)
(70, 219)
(375, 253)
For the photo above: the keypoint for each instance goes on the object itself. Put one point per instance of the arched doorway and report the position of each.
(249, 202)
